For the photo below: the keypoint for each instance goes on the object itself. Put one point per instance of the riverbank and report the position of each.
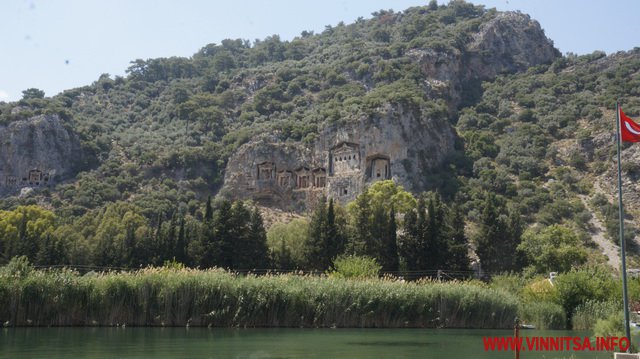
(217, 298)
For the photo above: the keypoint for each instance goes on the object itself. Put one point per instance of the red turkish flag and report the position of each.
(629, 130)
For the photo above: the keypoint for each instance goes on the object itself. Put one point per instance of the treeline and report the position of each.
(231, 236)
(402, 233)
(422, 234)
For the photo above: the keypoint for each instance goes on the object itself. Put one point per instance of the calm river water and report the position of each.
(263, 343)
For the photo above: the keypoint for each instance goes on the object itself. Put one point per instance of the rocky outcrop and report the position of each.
(508, 43)
(392, 145)
(36, 153)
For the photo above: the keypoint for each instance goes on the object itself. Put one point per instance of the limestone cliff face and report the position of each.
(36, 153)
(392, 145)
(510, 42)
(395, 143)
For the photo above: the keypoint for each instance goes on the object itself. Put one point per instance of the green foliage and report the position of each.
(355, 267)
(287, 243)
(32, 93)
(17, 267)
(611, 326)
(498, 237)
(175, 297)
(543, 315)
(433, 236)
(576, 287)
(155, 144)
(552, 249)
(388, 194)
(587, 314)
(325, 237)
(25, 231)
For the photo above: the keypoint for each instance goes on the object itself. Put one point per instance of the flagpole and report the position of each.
(625, 301)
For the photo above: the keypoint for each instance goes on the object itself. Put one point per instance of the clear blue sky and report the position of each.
(55, 45)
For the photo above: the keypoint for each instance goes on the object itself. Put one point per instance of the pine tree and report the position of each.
(144, 249)
(51, 251)
(283, 259)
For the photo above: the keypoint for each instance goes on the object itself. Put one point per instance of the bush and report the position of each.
(543, 315)
(587, 314)
(579, 286)
(359, 267)
(611, 326)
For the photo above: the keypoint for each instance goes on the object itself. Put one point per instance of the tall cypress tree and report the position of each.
(208, 211)
(389, 251)
(435, 244)
(170, 244)
(258, 237)
(221, 250)
(377, 230)
(316, 251)
(495, 238)
(181, 245)
(422, 245)
(128, 247)
(458, 243)
(513, 260)
(240, 245)
(335, 241)
(409, 240)
(361, 241)
(159, 242)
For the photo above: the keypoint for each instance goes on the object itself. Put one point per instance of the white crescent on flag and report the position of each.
(628, 126)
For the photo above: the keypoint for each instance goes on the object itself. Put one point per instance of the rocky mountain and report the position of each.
(394, 142)
(384, 91)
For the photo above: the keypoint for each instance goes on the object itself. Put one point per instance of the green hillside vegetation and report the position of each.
(533, 150)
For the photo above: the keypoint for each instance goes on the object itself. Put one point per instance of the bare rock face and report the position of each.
(510, 42)
(36, 153)
(393, 145)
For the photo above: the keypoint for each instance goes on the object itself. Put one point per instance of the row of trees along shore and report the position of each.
(385, 222)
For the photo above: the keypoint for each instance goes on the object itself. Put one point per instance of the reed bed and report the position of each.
(187, 297)
(587, 314)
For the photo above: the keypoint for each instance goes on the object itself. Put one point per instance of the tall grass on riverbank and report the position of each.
(170, 297)
(587, 315)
